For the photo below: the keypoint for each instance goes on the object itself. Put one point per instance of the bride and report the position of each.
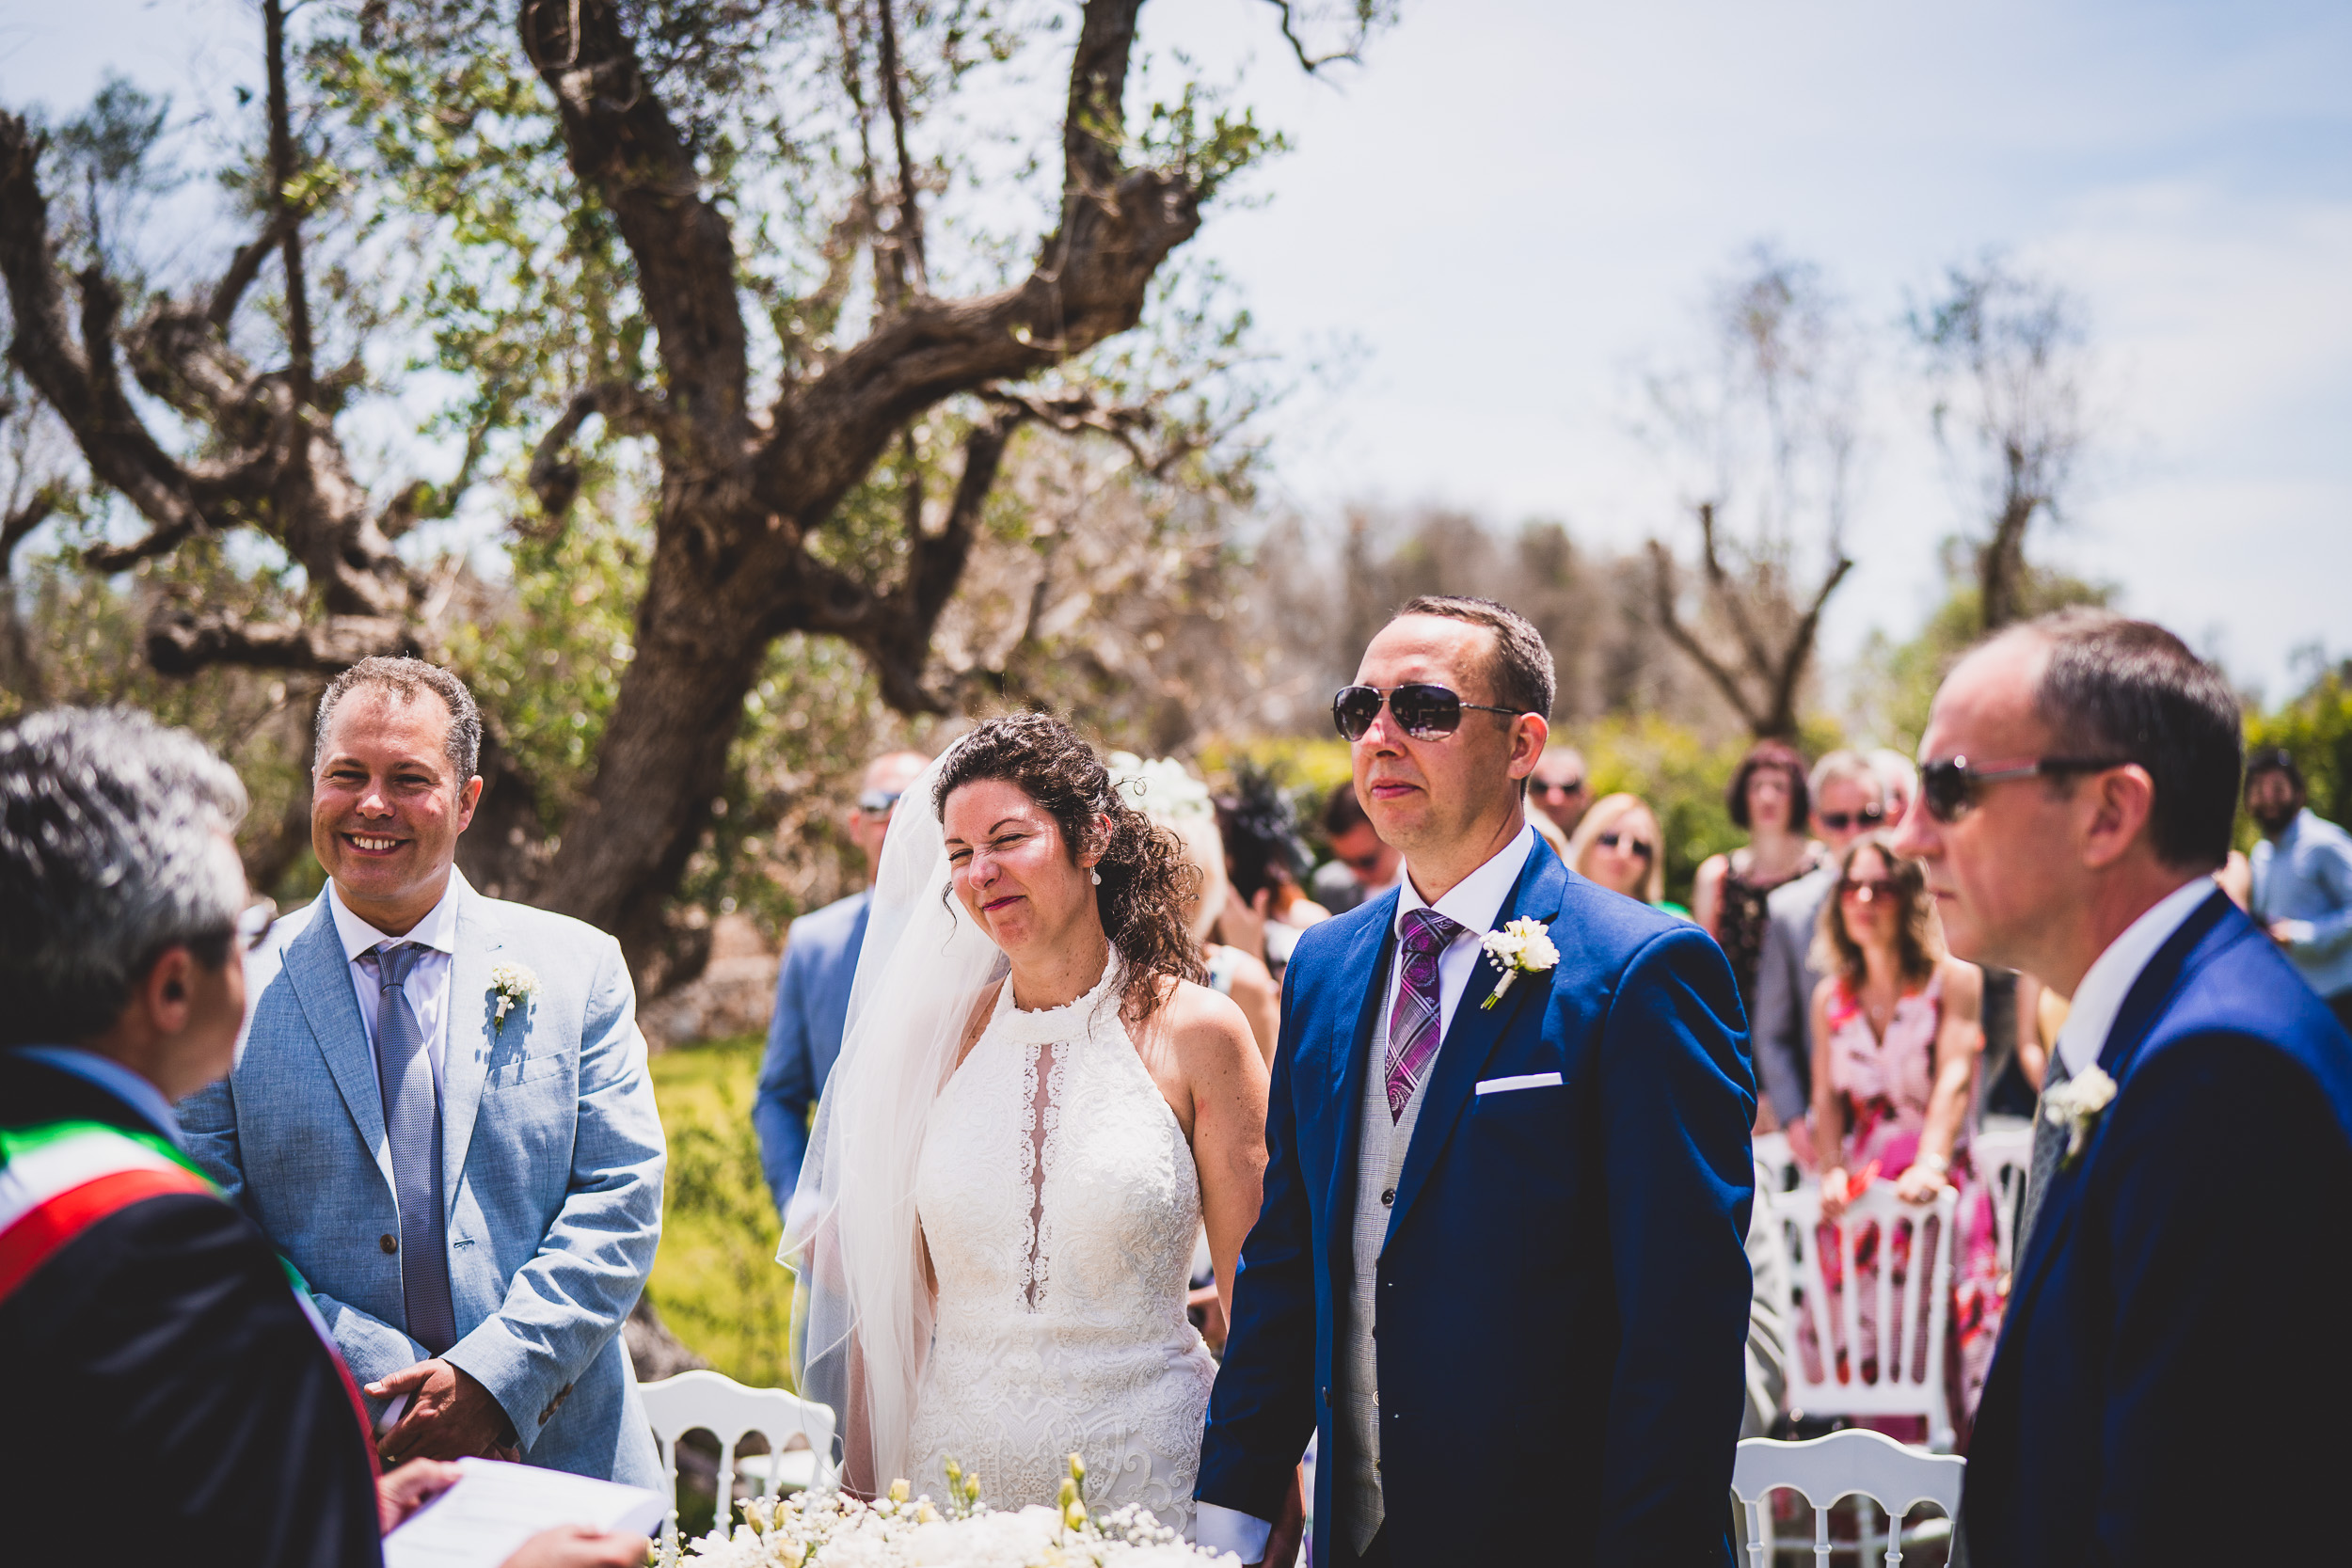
(1035, 1111)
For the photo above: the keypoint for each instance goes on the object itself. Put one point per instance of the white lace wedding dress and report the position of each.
(1059, 1202)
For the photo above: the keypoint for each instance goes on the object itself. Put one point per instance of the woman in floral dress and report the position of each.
(1896, 1032)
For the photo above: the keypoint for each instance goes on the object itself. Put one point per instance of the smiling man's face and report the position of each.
(386, 805)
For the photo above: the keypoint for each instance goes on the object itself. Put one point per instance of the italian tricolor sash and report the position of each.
(58, 1181)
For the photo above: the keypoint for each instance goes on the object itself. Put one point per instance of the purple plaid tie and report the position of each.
(1413, 1022)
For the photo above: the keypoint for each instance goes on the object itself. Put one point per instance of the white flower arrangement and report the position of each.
(2077, 1105)
(1162, 788)
(512, 985)
(1521, 947)
(830, 1529)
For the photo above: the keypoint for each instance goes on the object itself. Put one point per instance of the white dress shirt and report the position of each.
(427, 985)
(2099, 995)
(1473, 904)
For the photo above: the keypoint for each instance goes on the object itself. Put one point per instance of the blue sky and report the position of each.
(1512, 207)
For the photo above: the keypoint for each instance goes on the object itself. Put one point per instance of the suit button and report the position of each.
(388, 1243)
(1388, 1197)
(1327, 1396)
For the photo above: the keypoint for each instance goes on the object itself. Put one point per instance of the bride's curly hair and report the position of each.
(1148, 880)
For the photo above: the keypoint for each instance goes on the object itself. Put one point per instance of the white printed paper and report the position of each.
(494, 1508)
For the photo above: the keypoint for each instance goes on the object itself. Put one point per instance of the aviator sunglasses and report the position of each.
(1949, 789)
(1423, 711)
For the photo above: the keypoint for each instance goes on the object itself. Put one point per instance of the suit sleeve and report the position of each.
(1778, 1024)
(788, 1075)
(1677, 1102)
(2225, 1357)
(1261, 1409)
(569, 1300)
(208, 1126)
(191, 1374)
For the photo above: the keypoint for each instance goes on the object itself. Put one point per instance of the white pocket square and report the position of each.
(1524, 1081)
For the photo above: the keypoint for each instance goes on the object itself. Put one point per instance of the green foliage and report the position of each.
(1679, 773)
(716, 1281)
(2315, 726)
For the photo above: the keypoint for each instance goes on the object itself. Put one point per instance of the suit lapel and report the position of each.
(315, 967)
(2143, 1007)
(1350, 1053)
(473, 1046)
(1477, 1028)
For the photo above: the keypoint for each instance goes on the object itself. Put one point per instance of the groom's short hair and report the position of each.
(401, 679)
(1521, 669)
(111, 854)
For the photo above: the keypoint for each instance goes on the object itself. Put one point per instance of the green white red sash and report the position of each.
(58, 1181)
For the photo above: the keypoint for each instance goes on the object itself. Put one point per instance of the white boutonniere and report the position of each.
(2077, 1105)
(1521, 947)
(512, 984)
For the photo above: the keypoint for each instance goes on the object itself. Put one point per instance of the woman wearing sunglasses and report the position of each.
(1897, 1030)
(1618, 845)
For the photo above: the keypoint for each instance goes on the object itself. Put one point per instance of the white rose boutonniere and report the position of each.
(512, 985)
(2077, 1105)
(1521, 947)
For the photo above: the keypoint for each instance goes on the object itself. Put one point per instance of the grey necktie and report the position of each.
(2049, 1142)
(412, 1124)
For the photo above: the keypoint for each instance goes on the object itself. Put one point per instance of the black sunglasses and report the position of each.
(1423, 711)
(1558, 786)
(1949, 789)
(1626, 842)
(1837, 821)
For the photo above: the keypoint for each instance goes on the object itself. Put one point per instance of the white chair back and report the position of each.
(1775, 1165)
(1909, 1320)
(1898, 1479)
(2002, 1152)
(727, 1410)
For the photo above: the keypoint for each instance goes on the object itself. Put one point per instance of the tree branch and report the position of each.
(281, 175)
(1670, 622)
(915, 274)
(1313, 63)
(553, 478)
(1727, 594)
(246, 266)
(1800, 650)
(181, 642)
(25, 518)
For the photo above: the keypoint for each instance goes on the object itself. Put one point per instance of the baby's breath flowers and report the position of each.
(1521, 947)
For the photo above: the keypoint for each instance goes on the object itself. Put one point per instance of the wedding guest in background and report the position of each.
(2078, 793)
(1768, 799)
(440, 1114)
(1618, 845)
(1897, 1027)
(174, 1398)
(1844, 792)
(820, 951)
(1561, 788)
(1363, 867)
(1500, 1257)
(2301, 890)
(1263, 861)
(1899, 783)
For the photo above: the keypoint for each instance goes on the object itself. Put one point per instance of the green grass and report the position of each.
(716, 1282)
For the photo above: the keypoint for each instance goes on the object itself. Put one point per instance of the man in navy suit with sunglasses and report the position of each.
(1500, 1252)
(2174, 1346)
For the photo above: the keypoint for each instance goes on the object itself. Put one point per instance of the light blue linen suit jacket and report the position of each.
(551, 1168)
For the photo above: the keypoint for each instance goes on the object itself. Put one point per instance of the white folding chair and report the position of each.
(2002, 1151)
(1776, 1166)
(1909, 1320)
(727, 1410)
(1842, 1464)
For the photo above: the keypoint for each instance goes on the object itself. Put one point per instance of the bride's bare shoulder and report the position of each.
(1207, 1028)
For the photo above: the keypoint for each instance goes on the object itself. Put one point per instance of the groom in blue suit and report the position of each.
(2174, 1347)
(439, 1113)
(1500, 1253)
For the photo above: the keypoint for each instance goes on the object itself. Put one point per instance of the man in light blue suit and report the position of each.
(1501, 1257)
(440, 1112)
(813, 988)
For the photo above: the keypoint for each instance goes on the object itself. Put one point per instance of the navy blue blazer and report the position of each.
(1564, 1290)
(820, 952)
(2174, 1357)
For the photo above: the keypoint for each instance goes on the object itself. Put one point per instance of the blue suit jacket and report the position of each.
(805, 1037)
(1564, 1290)
(551, 1169)
(2174, 1347)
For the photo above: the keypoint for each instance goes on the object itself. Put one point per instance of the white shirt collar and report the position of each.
(2109, 980)
(436, 930)
(1473, 902)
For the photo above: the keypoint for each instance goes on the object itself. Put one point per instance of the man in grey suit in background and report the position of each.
(440, 1114)
(1847, 801)
(820, 952)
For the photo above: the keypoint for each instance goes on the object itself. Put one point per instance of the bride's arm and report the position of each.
(1226, 1079)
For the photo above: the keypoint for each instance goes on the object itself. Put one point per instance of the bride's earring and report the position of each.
(1098, 877)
